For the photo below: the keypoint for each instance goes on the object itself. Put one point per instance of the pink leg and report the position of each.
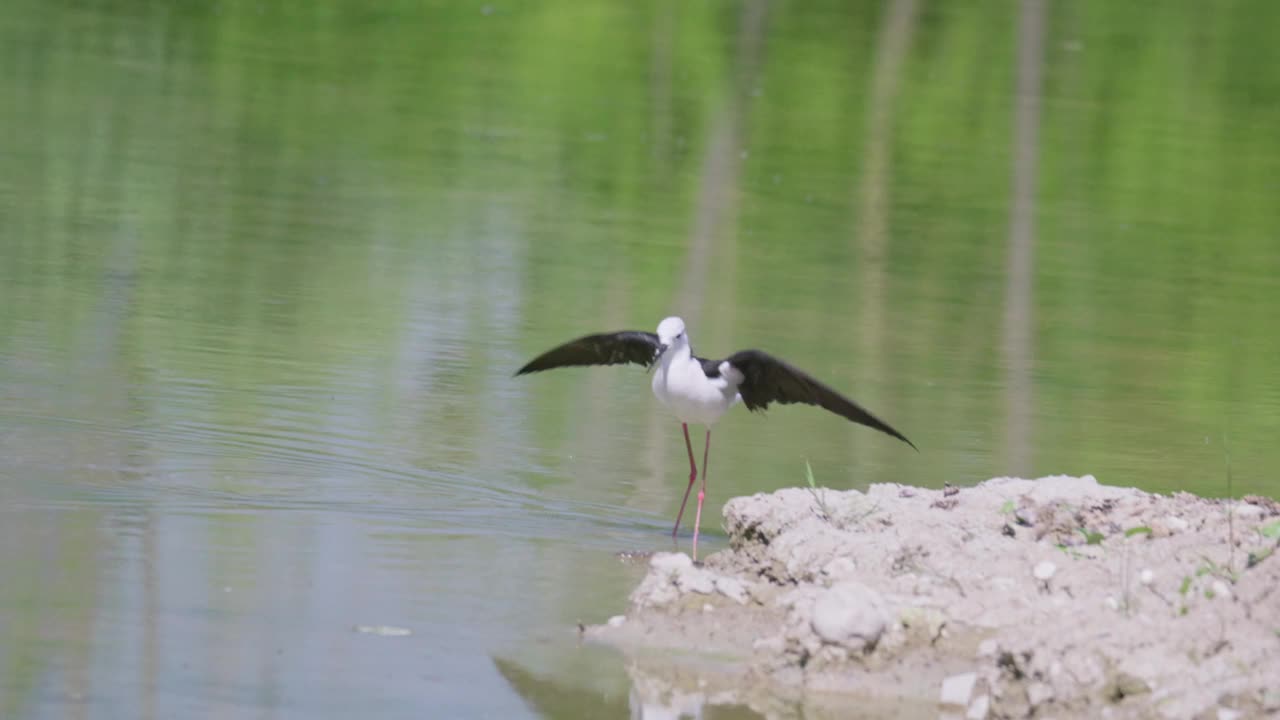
(693, 475)
(702, 492)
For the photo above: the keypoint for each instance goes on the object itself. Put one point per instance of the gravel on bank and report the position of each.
(1054, 597)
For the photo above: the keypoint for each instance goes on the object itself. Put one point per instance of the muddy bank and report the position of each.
(1056, 597)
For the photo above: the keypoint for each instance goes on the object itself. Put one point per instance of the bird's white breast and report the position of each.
(681, 385)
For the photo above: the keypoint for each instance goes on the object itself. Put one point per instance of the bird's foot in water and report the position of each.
(633, 557)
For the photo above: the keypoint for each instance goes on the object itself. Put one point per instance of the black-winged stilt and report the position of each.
(698, 390)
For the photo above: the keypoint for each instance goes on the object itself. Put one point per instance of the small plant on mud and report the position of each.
(1269, 537)
(819, 494)
(1258, 556)
(1183, 590)
(1091, 537)
(824, 511)
(1209, 567)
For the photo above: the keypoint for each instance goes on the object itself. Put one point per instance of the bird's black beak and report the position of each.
(662, 347)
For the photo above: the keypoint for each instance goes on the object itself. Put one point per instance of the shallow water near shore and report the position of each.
(266, 272)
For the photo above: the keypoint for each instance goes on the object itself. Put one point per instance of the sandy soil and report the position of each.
(1056, 597)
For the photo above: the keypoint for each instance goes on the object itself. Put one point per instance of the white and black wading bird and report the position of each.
(699, 390)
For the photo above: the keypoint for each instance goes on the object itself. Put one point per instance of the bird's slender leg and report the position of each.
(693, 475)
(702, 493)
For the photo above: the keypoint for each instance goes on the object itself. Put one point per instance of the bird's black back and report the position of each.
(710, 368)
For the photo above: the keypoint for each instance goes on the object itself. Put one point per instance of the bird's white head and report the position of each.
(671, 332)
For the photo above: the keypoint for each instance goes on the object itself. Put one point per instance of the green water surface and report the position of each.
(267, 268)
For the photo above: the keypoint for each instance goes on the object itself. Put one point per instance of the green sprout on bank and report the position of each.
(1231, 509)
(851, 518)
(1213, 569)
(1092, 538)
(819, 494)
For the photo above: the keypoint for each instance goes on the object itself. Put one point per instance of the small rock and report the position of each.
(1112, 602)
(707, 607)
(957, 689)
(617, 621)
(1272, 507)
(926, 623)
(1245, 510)
(979, 708)
(1220, 590)
(988, 648)
(1025, 512)
(1123, 685)
(670, 562)
(850, 614)
(695, 580)
(772, 645)
(1045, 570)
(1039, 693)
(732, 589)
(1229, 714)
(1146, 576)
(1176, 524)
(839, 568)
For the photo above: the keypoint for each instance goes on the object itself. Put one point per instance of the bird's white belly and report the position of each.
(691, 395)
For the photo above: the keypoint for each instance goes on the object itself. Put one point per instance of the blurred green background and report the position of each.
(266, 269)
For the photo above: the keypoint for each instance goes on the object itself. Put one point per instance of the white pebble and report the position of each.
(957, 689)
(1045, 570)
(1247, 510)
(850, 614)
(979, 708)
(731, 588)
(1221, 590)
(693, 579)
(840, 568)
(617, 620)
(1229, 714)
(1112, 602)
(670, 561)
(1039, 693)
(707, 607)
(1176, 524)
(1146, 576)
(988, 647)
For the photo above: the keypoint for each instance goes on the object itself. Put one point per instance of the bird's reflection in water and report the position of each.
(653, 696)
(662, 689)
(634, 557)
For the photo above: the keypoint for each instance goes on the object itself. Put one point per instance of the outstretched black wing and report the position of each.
(628, 346)
(767, 379)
